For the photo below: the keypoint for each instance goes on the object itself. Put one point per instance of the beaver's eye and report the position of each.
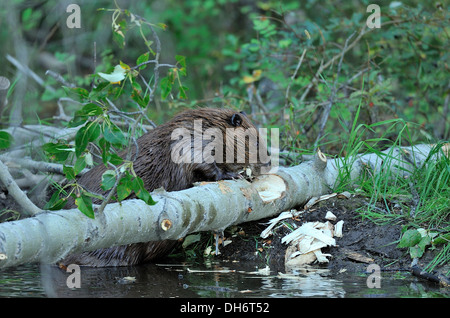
(236, 120)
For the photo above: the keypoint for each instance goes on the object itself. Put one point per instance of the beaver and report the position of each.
(165, 160)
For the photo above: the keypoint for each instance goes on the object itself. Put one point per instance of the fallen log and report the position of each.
(50, 236)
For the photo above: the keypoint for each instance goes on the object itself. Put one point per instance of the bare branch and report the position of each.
(327, 109)
(294, 75)
(331, 61)
(28, 72)
(13, 189)
(153, 62)
(4, 87)
(33, 165)
(59, 78)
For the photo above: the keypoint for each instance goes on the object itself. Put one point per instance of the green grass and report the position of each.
(433, 184)
(420, 200)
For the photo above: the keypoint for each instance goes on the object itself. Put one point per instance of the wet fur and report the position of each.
(157, 169)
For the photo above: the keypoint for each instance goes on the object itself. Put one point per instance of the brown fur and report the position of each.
(155, 166)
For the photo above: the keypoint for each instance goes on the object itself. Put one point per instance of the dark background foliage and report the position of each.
(243, 54)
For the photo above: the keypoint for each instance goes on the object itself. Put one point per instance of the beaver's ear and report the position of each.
(236, 120)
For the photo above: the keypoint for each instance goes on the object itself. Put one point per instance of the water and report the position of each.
(210, 280)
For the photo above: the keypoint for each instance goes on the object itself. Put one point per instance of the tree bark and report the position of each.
(4, 87)
(50, 236)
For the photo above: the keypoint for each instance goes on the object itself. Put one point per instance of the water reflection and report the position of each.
(137, 281)
(207, 280)
(23, 281)
(309, 285)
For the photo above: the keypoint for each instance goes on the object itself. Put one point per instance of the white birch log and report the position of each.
(30, 137)
(50, 236)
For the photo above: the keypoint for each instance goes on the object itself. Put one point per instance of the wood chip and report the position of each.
(355, 256)
(330, 216)
(338, 228)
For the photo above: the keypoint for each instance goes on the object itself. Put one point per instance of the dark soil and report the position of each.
(360, 237)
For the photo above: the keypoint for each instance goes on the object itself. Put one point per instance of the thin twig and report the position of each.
(4, 88)
(62, 114)
(152, 124)
(327, 109)
(35, 165)
(153, 62)
(156, 68)
(331, 61)
(59, 78)
(294, 75)
(28, 72)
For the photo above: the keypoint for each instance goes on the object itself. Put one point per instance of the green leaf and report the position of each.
(424, 242)
(182, 71)
(415, 252)
(115, 159)
(57, 151)
(442, 239)
(181, 60)
(118, 38)
(81, 141)
(114, 135)
(55, 203)
(182, 92)
(26, 14)
(31, 18)
(84, 204)
(80, 164)
(5, 140)
(410, 238)
(82, 115)
(99, 92)
(143, 58)
(108, 179)
(282, 44)
(136, 87)
(104, 145)
(123, 189)
(85, 134)
(191, 239)
(124, 66)
(138, 99)
(166, 87)
(76, 93)
(69, 172)
(93, 131)
(91, 109)
(77, 120)
(138, 187)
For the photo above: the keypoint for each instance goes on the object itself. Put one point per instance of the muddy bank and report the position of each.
(363, 242)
